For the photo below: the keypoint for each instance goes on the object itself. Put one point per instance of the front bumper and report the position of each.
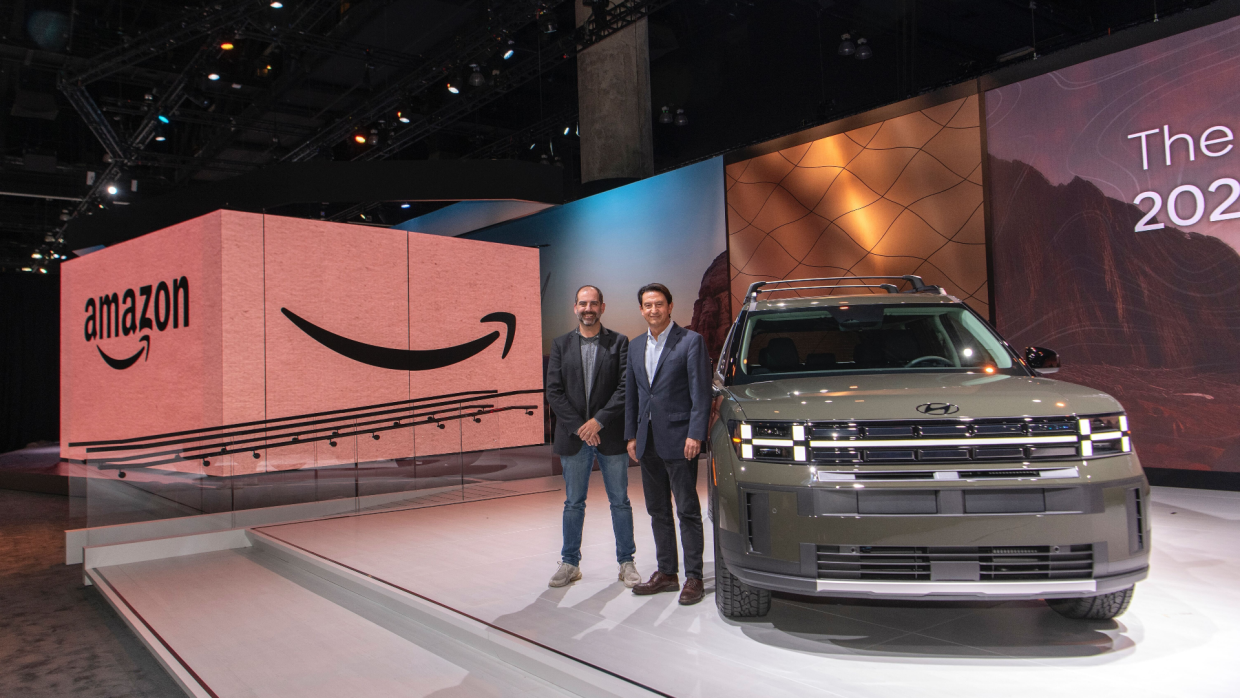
(945, 591)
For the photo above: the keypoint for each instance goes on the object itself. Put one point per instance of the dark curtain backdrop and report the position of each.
(29, 359)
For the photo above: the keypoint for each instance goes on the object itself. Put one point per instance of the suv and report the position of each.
(892, 445)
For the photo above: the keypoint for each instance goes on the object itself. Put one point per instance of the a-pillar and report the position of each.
(613, 97)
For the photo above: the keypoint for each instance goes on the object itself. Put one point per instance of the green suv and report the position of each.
(892, 445)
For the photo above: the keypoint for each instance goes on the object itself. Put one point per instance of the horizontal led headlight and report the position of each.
(774, 441)
(1103, 435)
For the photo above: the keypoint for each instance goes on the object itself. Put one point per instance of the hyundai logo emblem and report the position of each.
(938, 408)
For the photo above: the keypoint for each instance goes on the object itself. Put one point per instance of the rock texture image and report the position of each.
(1148, 317)
(712, 311)
(902, 196)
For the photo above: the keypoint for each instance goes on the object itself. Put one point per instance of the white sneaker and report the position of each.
(566, 574)
(628, 574)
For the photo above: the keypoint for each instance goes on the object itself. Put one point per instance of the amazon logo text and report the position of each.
(149, 309)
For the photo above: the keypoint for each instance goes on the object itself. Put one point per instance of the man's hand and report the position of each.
(692, 448)
(633, 449)
(588, 432)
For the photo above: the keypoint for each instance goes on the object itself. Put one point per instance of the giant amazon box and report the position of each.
(238, 318)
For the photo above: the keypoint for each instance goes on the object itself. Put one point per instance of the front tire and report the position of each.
(735, 598)
(1102, 607)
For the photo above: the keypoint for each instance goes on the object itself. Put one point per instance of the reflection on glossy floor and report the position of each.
(491, 560)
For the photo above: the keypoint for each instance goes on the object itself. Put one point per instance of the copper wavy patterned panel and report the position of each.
(903, 196)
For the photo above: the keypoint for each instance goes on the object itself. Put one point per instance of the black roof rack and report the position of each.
(918, 286)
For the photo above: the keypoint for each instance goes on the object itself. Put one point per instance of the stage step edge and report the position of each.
(167, 658)
(558, 669)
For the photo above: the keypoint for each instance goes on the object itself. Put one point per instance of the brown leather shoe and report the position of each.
(692, 593)
(657, 583)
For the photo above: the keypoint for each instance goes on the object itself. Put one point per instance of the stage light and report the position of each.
(27, 269)
(36, 255)
(162, 119)
(160, 139)
(359, 138)
(567, 129)
(681, 118)
(454, 89)
(213, 76)
(665, 117)
(112, 189)
(846, 46)
(227, 46)
(549, 26)
(404, 205)
(863, 50)
(476, 78)
(276, 4)
(532, 145)
(509, 53)
(402, 117)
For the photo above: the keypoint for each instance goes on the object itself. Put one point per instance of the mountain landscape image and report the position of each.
(1153, 318)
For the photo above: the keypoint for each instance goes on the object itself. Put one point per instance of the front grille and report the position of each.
(900, 442)
(994, 564)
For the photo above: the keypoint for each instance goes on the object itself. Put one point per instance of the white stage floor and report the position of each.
(491, 560)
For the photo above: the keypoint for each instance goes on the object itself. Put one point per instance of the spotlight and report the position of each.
(227, 46)
(532, 145)
(43, 270)
(402, 117)
(27, 268)
(213, 76)
(509, 53)
(160, 139)
(863, 50)
(475, 78)
(681, 118)
(36, 255)
(162, 119)
(359, 138)
(276, 4)
(454, 89)
(112, 189)
(404, 205)
(846, 46)
(567, 129)
(665, 117)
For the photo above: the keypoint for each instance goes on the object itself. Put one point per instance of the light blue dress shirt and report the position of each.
(654, 349)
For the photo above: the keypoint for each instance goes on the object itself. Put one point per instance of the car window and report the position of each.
(935, 337)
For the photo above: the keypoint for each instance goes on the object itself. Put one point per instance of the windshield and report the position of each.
(871, 338)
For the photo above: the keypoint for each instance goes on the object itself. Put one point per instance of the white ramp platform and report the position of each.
(491, 560)
(452, 601)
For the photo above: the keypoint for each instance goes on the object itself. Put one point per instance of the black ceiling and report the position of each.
(84, 82)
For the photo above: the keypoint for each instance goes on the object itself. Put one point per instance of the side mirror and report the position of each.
(1042, 360)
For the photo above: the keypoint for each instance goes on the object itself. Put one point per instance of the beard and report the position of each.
(587, 319)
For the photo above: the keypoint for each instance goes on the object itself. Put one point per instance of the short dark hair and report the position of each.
(658, 288)
(597, 290)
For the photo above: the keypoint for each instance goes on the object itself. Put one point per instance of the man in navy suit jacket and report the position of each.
(667, 410)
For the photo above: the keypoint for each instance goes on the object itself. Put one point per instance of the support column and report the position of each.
(613, 97)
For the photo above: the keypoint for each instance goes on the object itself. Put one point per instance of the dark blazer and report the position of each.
(566, 392)
(678, 403)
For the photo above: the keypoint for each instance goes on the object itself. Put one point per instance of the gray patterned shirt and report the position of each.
(589, 350)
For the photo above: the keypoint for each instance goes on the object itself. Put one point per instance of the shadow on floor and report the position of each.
(984, 630)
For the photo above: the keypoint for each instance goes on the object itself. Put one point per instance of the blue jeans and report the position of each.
(577, 482)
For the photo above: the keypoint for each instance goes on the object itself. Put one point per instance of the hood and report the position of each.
(897, 395)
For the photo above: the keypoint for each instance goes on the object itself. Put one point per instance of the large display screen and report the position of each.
(667, 229)
(1115, 195)
(896, 196)
(238, 319)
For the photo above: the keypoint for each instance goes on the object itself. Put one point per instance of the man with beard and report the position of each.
(585, 388)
